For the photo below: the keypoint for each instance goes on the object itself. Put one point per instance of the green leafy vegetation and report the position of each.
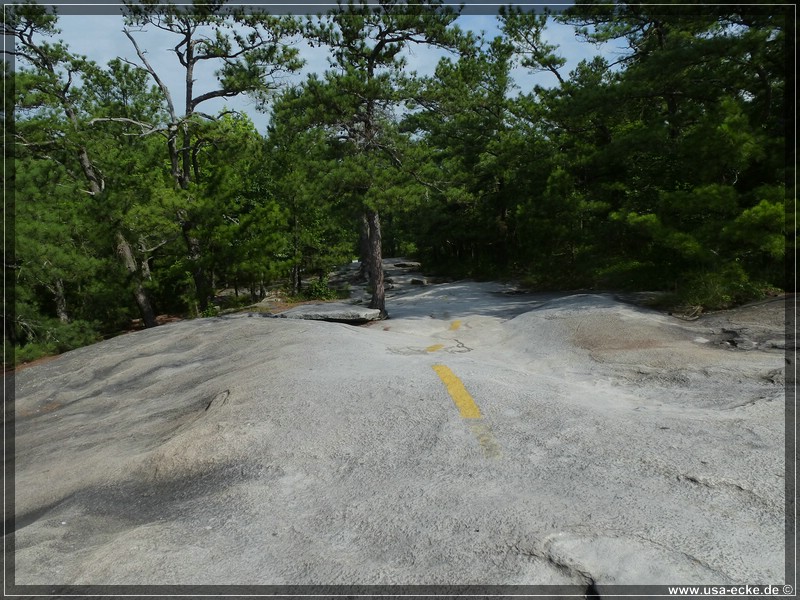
(319, 290)
(664, 171)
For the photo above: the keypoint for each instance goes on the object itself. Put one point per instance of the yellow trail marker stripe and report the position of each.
(455, 325)
(463, 401)
(434, 348)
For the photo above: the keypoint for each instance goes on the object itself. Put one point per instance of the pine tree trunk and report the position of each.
(363, 249)
(61, 301)
(202, 285)
(145, 268)
(375, 261)
(296, 280)
(139, 292)
(143, 302)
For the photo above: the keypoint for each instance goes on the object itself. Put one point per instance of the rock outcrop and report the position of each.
(615, 446)
(337, 312)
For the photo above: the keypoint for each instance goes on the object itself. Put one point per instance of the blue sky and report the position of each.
(100, 38)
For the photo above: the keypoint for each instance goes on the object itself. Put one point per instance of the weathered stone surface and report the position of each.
(613, 449)
(332, 311)
(418, 281)
(408, 265)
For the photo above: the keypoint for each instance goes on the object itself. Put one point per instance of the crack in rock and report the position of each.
(712, 483)
(692, 559)
(219, 400)
(762, 399)
(563, 566)
(460, 347)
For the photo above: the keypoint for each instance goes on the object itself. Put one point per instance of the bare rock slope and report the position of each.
(614, 445)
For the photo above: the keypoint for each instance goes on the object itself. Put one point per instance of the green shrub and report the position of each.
(714, 290)
(30, 352)
(319, 290)
(212, 310)
(51, 336)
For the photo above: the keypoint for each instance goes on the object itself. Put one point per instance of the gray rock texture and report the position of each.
(614, 446)
(332, 311)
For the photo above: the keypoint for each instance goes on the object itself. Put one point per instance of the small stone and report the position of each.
(417, 281)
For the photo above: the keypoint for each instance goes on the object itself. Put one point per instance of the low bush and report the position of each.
(715, 290)
(320, 290)
(51, 336)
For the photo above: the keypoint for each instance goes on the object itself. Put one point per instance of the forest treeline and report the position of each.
(665, 169)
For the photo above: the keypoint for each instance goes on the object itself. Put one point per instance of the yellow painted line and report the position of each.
(464, 402)
(434, 348)
(455, 325)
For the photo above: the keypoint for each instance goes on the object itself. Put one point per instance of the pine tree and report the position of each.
(46, 87)
(249, 49)
(357, 97)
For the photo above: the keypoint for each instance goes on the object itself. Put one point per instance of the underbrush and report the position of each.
(50, 336)
(718, 290)
(320, 289)
(695, 291)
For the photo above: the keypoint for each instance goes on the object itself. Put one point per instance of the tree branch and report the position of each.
(218, 117)
(147, 128)
(209, 95)
(164, 89)
(148, 251)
